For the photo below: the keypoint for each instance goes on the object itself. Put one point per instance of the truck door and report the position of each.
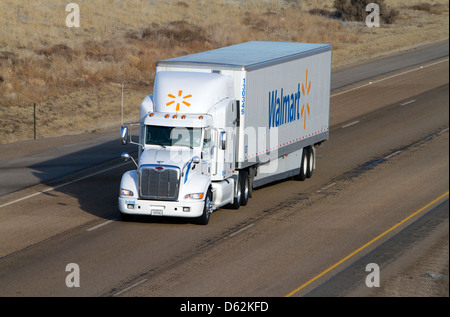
(207, 152)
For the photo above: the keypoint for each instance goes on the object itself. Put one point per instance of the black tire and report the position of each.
(244, 183)
(237, 200)
(204, 218)
(311, 159)
(303, 166)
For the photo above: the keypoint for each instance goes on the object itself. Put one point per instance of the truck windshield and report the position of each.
(170, 136)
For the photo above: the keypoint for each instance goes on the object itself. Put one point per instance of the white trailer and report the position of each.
(234, 118)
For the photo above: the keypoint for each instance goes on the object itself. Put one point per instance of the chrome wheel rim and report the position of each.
(209, 205)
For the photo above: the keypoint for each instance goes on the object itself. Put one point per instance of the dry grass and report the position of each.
(74, 74)
(436, 8)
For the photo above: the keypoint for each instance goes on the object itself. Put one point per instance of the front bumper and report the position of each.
(185, 209)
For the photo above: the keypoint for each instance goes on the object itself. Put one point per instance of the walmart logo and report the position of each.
(285, 107)
(305, 93)
(178, 100)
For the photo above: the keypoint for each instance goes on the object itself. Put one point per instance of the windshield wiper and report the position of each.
(183, 145)
(160, 144)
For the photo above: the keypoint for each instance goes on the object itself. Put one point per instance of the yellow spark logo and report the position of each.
(178, 100)
(305, 93)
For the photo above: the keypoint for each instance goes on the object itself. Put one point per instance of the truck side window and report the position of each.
(207, 138)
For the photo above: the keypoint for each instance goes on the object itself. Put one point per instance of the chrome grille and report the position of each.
(159, 182)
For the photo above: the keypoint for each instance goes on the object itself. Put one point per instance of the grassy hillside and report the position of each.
(74, 75)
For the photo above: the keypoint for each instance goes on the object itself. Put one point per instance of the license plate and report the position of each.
(157, 212)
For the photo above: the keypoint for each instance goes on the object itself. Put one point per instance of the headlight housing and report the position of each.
(194, 196)
(126, 192)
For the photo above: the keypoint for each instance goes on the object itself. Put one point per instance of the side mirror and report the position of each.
(195, 160)
(223, 140)
(125, 156)
(124, 135)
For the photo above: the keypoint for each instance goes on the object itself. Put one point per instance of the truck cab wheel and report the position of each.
(245, 187)
(237, 200)
(207, 209)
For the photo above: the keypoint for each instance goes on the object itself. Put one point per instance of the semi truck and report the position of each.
(223, 122)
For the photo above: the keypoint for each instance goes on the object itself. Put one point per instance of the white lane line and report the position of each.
(407, 103)
(130, 287)
(62, 185)
(350, 124)
(443, 131)
(100, 225)
(326, 187)
(392, 154)
(389, 77)
(239, 231)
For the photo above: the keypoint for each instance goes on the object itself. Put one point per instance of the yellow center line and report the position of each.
(366, 245)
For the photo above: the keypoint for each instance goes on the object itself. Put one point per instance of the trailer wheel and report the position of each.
(207, 209)
(245, 187)
(303, 166)
(311, 158)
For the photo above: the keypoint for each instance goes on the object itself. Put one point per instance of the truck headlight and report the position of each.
(194, 196)
(125, 192)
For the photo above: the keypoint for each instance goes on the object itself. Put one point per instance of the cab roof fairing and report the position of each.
(190, 92)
